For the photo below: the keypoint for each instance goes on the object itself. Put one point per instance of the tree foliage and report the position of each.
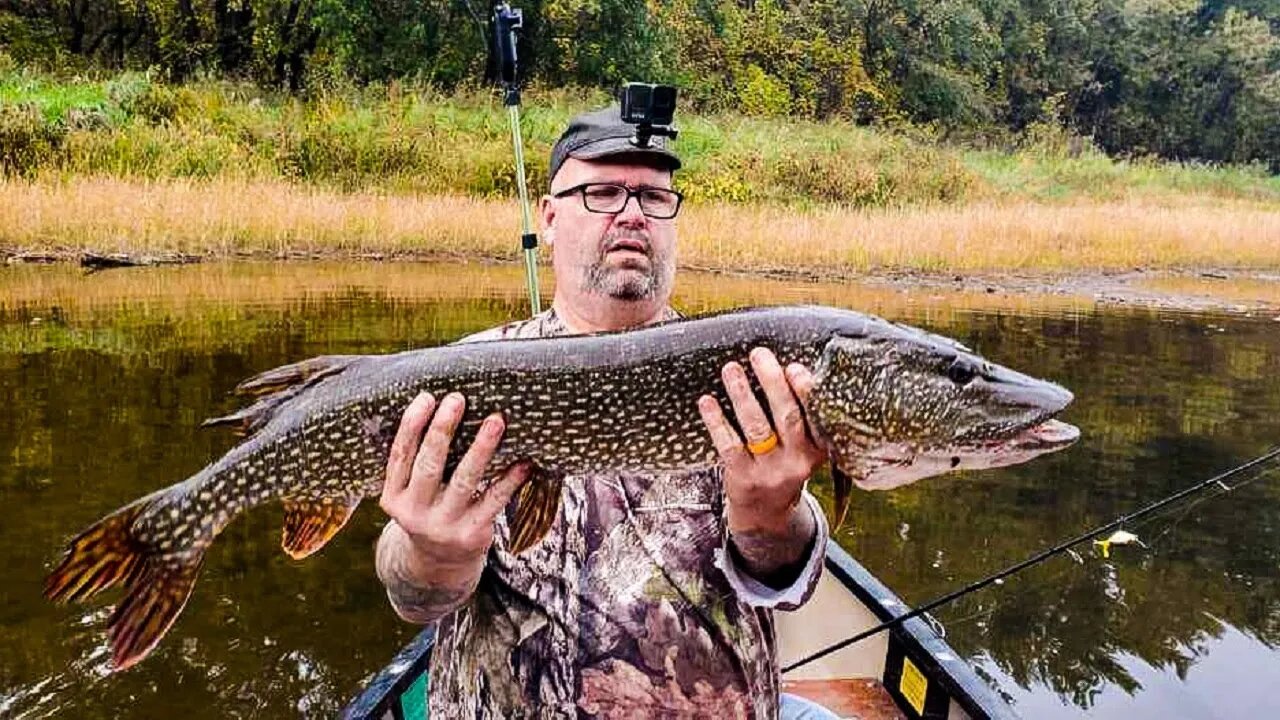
(1176, 78)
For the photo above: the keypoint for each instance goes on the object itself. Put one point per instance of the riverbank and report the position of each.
(41, 284)
(229, 219)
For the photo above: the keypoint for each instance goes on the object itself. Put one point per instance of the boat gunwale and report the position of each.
(958, 678)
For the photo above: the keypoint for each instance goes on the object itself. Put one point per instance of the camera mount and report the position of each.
(506, 21)
(651, 108)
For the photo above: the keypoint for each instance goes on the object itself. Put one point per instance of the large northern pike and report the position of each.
(890, 403)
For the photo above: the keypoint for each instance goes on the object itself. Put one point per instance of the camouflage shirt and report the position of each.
(631, 607)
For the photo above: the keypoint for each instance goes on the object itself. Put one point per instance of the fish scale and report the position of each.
(890, 404)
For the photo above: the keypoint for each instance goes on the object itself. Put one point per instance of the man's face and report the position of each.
(625, 255)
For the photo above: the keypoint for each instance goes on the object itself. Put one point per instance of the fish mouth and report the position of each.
(1043, 434)
(1046, 436)
(897, 465)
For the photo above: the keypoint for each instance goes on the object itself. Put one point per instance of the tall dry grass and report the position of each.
(1118, 235)
(229, 217)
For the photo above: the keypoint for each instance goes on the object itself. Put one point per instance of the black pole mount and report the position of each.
(507, 21)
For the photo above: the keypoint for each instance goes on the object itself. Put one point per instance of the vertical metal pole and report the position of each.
(506, 21)
(528, 239)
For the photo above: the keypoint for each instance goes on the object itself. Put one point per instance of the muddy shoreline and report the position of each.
(1188, 289)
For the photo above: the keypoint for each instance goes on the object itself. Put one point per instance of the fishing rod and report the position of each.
(1217, 480)
(506, 21)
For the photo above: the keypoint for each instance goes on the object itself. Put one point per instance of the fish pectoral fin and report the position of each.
(148, 610)
(843, 489)
(533, 510)
(308, 523)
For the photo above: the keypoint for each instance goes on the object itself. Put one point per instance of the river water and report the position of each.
(105, 378)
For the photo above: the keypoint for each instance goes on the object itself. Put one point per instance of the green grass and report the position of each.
(54, 100)
(408, 139)
(1094, 175)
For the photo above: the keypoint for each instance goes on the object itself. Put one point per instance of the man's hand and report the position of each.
(768, 525)
(431, 555)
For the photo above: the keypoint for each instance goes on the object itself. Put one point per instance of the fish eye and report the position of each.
(961, 372)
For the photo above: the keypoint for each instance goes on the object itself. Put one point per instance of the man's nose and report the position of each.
(631, 213)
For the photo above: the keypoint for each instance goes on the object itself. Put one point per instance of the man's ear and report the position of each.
(546, 214)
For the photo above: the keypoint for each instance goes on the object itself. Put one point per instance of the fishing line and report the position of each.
(1217, 480)
(1185, 512)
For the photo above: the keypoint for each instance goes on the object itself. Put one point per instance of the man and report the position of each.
(651, 596)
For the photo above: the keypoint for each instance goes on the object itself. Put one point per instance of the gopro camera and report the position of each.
(643, 103)
(649, 107)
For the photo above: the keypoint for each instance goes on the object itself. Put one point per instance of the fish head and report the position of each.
(901, 405)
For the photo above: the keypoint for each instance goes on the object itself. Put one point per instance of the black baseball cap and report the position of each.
(602, 133)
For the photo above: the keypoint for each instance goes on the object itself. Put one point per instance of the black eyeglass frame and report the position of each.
(631, 193)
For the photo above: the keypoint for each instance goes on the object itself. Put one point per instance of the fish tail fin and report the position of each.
(156, 596)
(843, 489)
(156, 588)
(99, 557)
(534, 510)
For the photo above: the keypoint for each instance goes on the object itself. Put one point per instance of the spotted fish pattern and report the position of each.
(890, 402)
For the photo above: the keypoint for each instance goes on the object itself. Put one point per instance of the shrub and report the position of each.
(138, 96)
(763, 94)
(27, 140)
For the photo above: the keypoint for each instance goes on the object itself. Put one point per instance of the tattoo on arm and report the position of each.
(776, 560)
(414, 599)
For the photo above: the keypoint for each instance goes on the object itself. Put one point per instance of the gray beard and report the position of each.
(629, 283)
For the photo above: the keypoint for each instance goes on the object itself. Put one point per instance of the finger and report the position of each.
(783, 408)
(428, 465)
(801, 380)
(725, 439)
(464, 483)
(405, 445)
(746, 408)
(500, 492)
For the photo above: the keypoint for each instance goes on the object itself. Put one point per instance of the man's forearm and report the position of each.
(416, 593)
(774, 556)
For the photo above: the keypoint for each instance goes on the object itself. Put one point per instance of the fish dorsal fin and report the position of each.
(534, 509)
(247, 421)
(309, 523)
(304, 372)
(277, 386)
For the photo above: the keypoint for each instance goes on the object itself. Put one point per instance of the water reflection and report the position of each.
(105, 379)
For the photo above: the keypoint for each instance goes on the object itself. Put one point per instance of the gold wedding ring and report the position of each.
(763, 446)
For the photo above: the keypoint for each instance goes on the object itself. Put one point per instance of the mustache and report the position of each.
(614, 239)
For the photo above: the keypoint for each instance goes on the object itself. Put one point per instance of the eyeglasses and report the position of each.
(657, 203)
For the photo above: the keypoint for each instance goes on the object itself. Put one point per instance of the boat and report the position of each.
(907, 672)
